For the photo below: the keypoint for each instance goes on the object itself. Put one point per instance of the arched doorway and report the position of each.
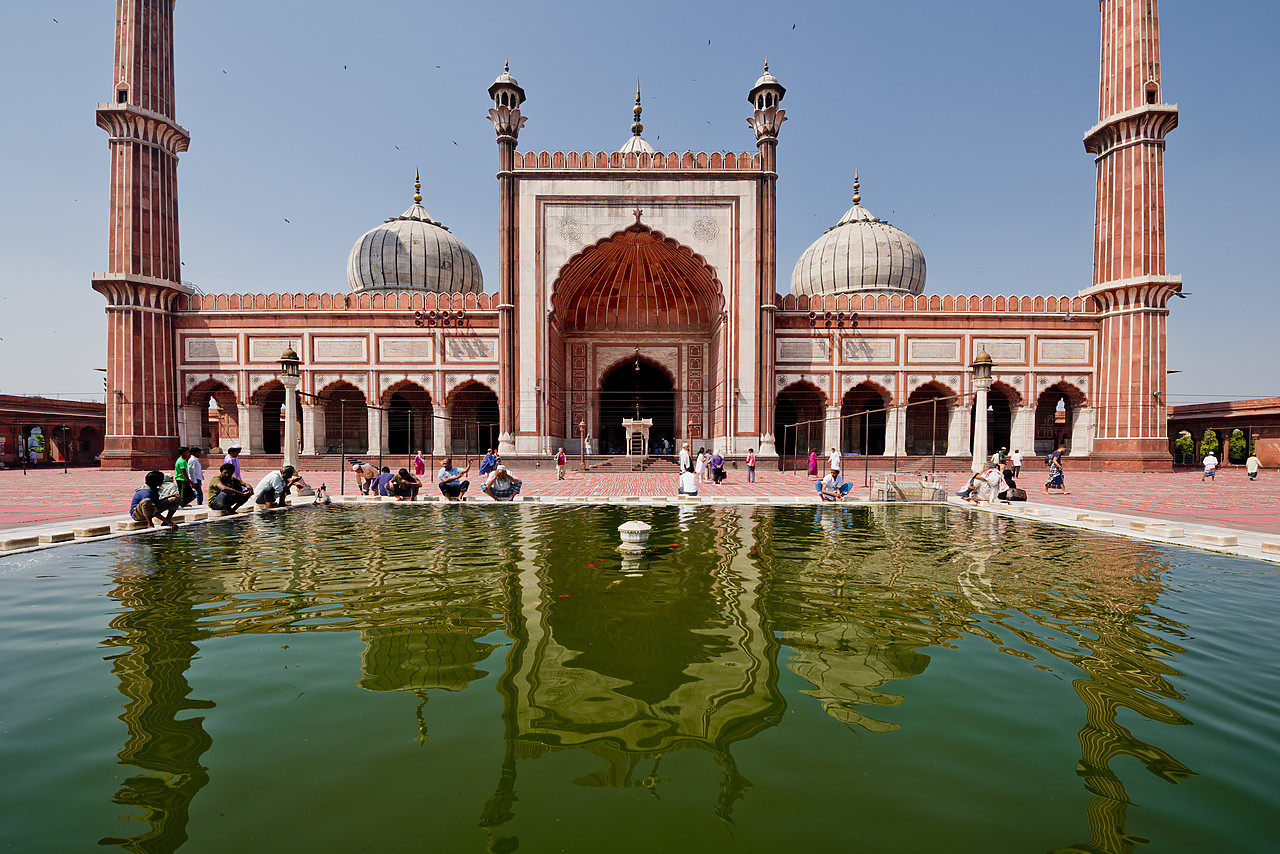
(928, 416)
(474, 419)
(410, 424)
(864, 419)
(346, 419)
(797, 418)
(625, 290)
(999, 418)
(1056, 411)
(271, 397)
(219, 415)
(637, 388)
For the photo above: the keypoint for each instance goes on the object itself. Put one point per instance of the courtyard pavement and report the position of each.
(46, 495)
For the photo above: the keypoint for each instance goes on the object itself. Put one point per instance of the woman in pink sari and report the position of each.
(813, 463)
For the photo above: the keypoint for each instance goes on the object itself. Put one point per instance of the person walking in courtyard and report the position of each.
(450, 479)
(226, 491)
(1015, 462)
(834, 460)
(700, 468)
(1000, 459)
(1252, 465)
(273, 488)
(813, 462)
(561, 463)
(502, 485)
(182, 477)
(419, 464)
(147, 505)
(365, 474)
(1210, 467)
(233, 457)
(404, 486)
(1056, 476)
(686, 459)
(751, 465)
(195, 473)
(717, 467)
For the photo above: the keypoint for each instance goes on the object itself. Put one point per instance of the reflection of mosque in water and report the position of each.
(679, 650)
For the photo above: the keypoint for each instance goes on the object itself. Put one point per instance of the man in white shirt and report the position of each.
(195, 475)
(275, 486)
(1210, 467)
(833, 487)
(686, 459)
(834, 460)
(233, 457)
(1015, 462)
(688, 483)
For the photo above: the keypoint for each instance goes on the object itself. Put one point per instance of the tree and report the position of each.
(1209, 443)
(1235, 447)
(1184, 448)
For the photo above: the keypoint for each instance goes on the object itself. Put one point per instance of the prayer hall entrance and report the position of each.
(635, 390)
(639, 320)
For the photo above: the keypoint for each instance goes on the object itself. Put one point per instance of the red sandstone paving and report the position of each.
(47, 495)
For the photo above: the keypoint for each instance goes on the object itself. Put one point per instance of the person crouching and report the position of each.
(501, 485)
(688, 484)
(275, 486)
(226, 491)
(404, 486)
(452, 485)
(147, 505)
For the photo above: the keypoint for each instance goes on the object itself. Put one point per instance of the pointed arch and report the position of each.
(864, 418)
(798, 412)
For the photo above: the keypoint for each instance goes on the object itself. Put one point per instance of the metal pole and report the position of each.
(64, 449)
(933, 438)
(866, 448)
(582, 444)
(342, 446)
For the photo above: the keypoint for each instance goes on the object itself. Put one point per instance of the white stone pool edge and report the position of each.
(1209, 538)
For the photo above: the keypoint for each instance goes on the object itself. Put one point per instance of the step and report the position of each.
(57, 537)
(91, 531)
(1216, 539)
(12, 543)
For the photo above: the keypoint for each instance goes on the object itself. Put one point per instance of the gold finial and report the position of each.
(417, 187)
(766, 65)
(506, 66)
(636, 127)
(857, 198)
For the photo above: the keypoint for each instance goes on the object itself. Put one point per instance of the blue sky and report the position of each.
(964, 119)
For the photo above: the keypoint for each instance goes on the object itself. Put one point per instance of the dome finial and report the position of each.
(506, 65)
(636, 127)
(857, 197)
(766, 63)
(417, 187)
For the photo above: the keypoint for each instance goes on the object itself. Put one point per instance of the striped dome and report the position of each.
(413, 252)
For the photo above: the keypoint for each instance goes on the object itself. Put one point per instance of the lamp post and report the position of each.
(290, 376)
(981, 383)
(582, 442)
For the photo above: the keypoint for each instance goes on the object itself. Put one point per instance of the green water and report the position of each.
(454, 678)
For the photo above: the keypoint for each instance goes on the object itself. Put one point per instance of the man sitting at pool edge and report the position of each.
(452, 485)
(147, 505)
(833, 487)
(275, 486)
(501, 485)
(226, 491)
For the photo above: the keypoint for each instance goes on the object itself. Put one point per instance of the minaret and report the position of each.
(766, 96)
(507, 97)
(143, 278)
(1130, 284)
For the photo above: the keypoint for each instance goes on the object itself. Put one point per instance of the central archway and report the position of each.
(635, 389)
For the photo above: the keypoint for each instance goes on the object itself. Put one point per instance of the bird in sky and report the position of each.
(55, 20)
(287, 221)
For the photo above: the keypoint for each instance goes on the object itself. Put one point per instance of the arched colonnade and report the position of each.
(339, 419)
(934, 420)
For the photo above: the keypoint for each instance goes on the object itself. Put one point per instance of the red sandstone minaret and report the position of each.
(766, 96)
(143, 279)
(507, 97)
(1130, 284)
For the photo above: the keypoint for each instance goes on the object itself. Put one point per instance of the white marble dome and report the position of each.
(413, 252)
(859, 254)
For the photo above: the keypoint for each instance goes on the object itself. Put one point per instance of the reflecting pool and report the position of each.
(465, 678)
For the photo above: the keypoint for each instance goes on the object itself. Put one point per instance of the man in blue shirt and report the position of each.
(382, 481)
(452, 485)
(147, 505)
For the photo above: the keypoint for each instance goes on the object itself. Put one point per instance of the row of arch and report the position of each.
(867, 412)
(340, 419)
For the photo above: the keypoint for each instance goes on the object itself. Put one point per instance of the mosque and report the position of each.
(639, 285)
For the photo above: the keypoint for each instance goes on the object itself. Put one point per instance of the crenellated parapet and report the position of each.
(127, 123)
(195, 303)
(1048, 305)
(674, 160)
